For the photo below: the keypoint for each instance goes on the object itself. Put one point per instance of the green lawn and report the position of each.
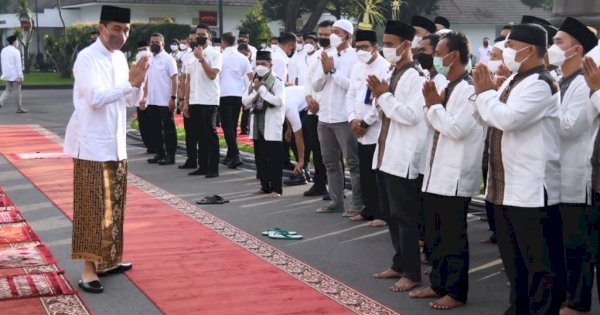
(181, 136)
(44, 78)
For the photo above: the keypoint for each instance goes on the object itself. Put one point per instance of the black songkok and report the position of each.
(115, 14)
(398, 28)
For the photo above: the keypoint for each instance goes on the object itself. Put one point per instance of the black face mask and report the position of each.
(425, 60)
(324, 42)
(201, 41)
(155, 48)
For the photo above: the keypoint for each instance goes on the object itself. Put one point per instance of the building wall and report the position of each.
(476, 33)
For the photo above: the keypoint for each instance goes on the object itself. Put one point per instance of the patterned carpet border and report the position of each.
(332, 288)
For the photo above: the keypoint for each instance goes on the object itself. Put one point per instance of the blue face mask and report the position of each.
(438, 63)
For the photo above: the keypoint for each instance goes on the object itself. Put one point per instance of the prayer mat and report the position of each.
(34, 285)
(17, 233)
(10, 216)
(47, 305)
(28, 270)
(5, 201)
(25, 256)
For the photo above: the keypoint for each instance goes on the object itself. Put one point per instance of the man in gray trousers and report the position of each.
(332, 79)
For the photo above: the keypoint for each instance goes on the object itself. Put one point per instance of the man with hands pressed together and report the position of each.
(523, 181)
(399, 152)
(452, 174)
(202, 101)
(265, 98)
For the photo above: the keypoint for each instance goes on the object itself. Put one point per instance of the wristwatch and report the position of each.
(173, 97)
(332, 71)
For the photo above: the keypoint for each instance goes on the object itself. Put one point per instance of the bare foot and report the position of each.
(404, 284)
(377, 223)
(446, 303)
(424, 260)
(427, 271)
(424, 293)
(274, 195)
(357, 217)
(388, 274)
(570, 311)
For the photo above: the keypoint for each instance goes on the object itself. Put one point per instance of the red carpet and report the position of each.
(194, 263)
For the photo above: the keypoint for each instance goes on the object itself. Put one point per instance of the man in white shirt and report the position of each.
(12, 73)
(571, 43)
(160, 94)
(452, 175)
(402, 122)
(244, 50)
(332, 80)
(244, 38)
(191, 146)
(236, 68)
(202, 102)
(95, 138)
(364, 120)
(523, 179)
(265, 97)
(484, 52)
(281, 58)
(143, 117)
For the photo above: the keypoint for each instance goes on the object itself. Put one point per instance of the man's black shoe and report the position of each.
(243, 133)
(91, 287)
(233, 164)
(295, 180)
(120, 269)
(211, 175)
(314, 191)
(197, 172)
(167, 160)
(187, 164)
(156, 158)
(226, 160)
(288, 166)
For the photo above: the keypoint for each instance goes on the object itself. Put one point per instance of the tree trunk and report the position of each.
(309, 26)
(292, 15)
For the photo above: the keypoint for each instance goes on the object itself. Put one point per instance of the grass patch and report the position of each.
(44, 78)
(181, 137)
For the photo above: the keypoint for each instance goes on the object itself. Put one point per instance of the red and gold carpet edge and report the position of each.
(146, 279)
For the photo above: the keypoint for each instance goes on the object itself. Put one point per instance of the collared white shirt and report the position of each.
(274, 116)
(280, 63)
(203, 90)
(455, 169)
(235, 68)
(358, 106)
(12, 69)
(530, 142)
(296, 63)
(162, 69)
(295, 102)
(576, 134)
(101, 93)
(333, 87)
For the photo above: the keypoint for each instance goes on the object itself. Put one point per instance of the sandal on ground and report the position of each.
(329, 209)
(212, 200)
(350, 213)
(284, 235)
(277, 229)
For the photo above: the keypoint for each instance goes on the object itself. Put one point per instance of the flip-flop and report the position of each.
(329, 210)
(276, 229)
(282, 235)
(212, 200)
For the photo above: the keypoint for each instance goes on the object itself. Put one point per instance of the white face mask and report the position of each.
(557, 56)
(173, 47)
(416, 41)
(364, 56)
(182, 47)
(390, 54)
(494, 65)
(309, 48)
(262, 71)
(509, 56)
(299, 47)
(335, 40)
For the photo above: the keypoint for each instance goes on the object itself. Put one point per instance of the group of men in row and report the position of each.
(417, 128)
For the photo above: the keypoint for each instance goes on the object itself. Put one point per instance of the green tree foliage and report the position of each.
(256, 25)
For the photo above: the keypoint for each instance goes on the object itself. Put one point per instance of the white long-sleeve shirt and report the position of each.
(274, 116)
(333, 87)
(101, 93)
(12, 69)
(357, 104)
(530, 143)
(575, 136)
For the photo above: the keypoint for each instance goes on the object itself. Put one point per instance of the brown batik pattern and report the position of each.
(99, 192)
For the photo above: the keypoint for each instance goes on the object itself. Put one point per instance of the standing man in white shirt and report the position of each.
(523, 179)
(485, 51)
(265, 97)
(160, 94)
(332, 79)
(244, 38)
(12, 73)
(573, 41)
(202, 101)
(452, 174)
(235, 69)
(95, 138)
(365, 121)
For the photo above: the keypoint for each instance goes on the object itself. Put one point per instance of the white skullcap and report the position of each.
(443, 31)
(345, 25)
(500, 45)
